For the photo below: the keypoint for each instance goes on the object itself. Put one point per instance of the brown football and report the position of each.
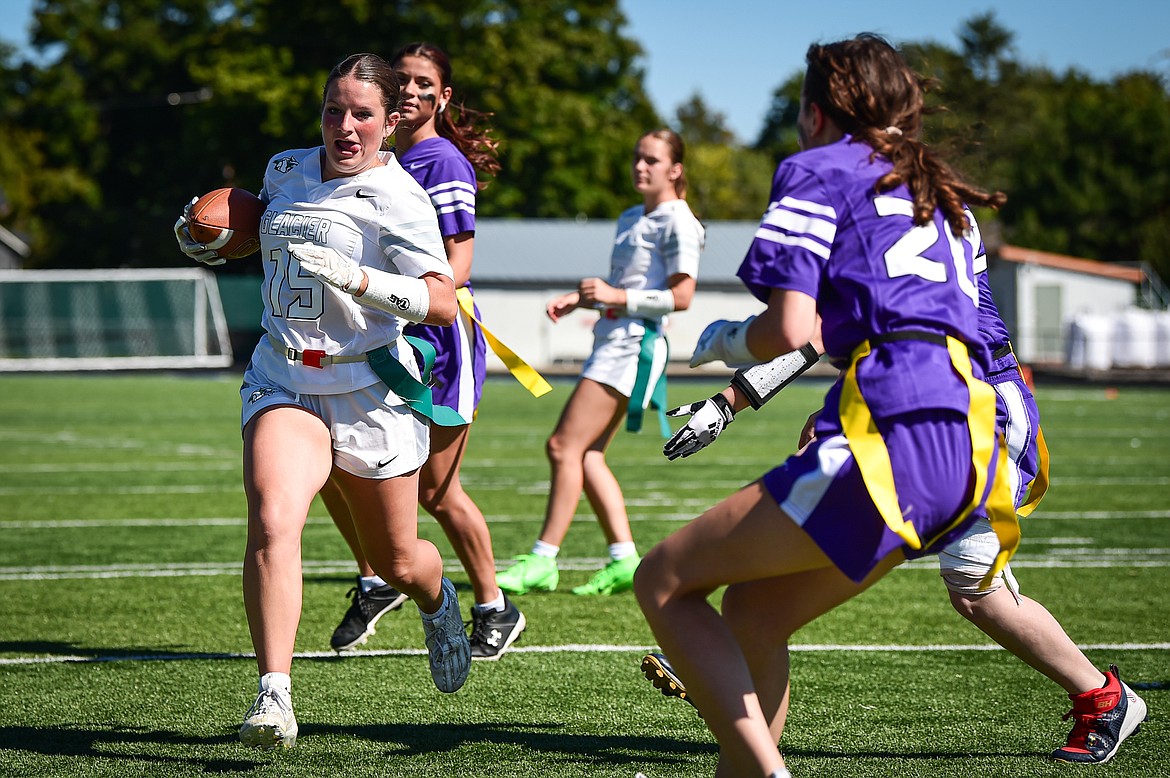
(227, 221)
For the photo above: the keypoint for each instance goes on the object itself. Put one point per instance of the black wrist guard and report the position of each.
(760, 383)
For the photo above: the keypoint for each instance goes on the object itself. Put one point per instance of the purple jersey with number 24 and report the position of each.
(829, 234)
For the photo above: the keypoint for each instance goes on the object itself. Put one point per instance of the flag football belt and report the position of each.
(312, 357)
(636, 406)
(523, 372)
(873, 458)
(415, 393)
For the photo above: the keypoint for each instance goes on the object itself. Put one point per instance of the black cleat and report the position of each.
(492, 632)
(358, 623)
(659, 672)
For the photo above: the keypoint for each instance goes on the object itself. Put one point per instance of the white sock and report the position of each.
(496, 605)
(622, 550)
(781, 773)
(279, 681)
(371, 582)
(548, 550)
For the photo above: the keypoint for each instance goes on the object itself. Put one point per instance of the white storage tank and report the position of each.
(1162, 339)
(1090, 342)
(1134, 338)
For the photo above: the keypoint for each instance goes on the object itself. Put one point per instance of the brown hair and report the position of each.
(371, 68)
(463, 126)
(869, 91)
(678, 152)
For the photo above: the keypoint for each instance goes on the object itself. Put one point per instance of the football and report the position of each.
(227, 221)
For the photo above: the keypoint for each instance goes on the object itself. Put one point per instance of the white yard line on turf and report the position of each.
(571, 648)
(1058, 557)
(241, 521)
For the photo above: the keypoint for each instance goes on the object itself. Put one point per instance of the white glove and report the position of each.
(708, 418)
(325, 263)
(188, 245)
(724, 341)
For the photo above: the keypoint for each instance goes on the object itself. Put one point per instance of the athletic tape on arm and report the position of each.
(649, 303)
(402, 296)
(762, 382)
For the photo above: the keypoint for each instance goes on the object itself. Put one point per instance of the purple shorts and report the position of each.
(460, 363)
(822, 490)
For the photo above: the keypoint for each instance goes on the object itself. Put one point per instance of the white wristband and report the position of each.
(649, 303)
(402, 296)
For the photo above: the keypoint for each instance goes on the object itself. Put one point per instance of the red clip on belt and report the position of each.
(312, 357)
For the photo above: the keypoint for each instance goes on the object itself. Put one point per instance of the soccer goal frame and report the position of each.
(126, 319)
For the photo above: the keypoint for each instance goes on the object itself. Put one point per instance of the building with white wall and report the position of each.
(521, 264)
(1079, 313)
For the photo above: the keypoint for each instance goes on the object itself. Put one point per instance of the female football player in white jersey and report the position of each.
(351, 252)
(653, 269)
(442, 148)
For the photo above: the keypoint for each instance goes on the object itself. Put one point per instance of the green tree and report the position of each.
(35, 183)
(698, 124)
(777, 138)
(1090, 174)
(726, 180)
(159, 100)
(567, 94)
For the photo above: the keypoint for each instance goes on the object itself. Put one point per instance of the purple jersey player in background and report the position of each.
(449, 179)
(1106, 710)
(442, 149)
(866, 236)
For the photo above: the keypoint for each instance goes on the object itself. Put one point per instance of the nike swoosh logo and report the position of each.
(364, 193)
(414, 165)
(385, 462)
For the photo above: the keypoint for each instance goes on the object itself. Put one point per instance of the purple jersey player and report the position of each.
(442, 146)
(1105, 709)
(867, 240)
(461, 354)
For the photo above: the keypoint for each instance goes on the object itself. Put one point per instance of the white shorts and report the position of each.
(371, 439)
(969, 557)
(617, 344)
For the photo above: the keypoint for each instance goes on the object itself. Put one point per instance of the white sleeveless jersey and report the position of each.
(651, 247)
(380, 218)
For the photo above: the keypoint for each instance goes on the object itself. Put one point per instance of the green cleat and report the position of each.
(617, 576)
(530, 573)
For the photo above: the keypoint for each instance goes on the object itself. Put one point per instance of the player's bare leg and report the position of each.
(496, 622)
(584, 429)
(605, 493)
(755, 541)
(339, 511)
(1030, 632)
(764, 639)
(287, 457)
(385, 515)
(586, 425)
(441, 495)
